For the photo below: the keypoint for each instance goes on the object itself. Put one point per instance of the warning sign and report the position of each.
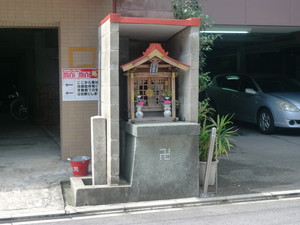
(80, 84)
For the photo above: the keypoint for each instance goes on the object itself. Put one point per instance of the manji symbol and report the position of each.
(165, 154)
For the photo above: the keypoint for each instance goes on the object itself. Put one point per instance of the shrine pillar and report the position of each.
(109, 41)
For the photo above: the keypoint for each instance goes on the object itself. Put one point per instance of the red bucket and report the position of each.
(80, 165)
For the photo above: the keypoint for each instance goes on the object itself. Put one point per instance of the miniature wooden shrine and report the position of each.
(151, 85)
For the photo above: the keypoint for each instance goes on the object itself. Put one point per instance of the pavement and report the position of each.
(35, 181)
(30, 170)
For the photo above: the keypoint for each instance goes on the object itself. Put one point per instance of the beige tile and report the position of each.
(78, 21)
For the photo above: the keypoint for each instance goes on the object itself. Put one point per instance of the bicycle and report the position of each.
(18, 107)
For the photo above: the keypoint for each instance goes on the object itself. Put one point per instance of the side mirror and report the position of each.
(250, 91)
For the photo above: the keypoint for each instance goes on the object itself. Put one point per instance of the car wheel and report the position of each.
(265, 121)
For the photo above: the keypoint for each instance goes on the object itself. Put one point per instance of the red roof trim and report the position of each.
(116, 18)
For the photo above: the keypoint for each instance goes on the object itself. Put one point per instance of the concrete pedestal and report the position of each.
(159, 161)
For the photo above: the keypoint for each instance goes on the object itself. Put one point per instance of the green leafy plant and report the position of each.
(184, 9)
(224, 131)
(167, 94)
(204, 81)
(205, 111)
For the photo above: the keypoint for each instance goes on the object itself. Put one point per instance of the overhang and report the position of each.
(150, 29)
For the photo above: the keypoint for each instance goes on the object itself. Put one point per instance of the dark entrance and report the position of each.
(29, 65)
(256, 52)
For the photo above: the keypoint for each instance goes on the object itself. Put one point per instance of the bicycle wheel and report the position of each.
(18, 109)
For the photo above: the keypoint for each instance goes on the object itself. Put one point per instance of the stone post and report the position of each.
(98, 134)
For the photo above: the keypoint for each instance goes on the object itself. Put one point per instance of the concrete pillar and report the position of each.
(110, 103)
(184, 47)
(98, 134)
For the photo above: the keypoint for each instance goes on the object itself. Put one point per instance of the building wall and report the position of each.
(77, 21)
(253, 12)
(145, 8)
(228, 12)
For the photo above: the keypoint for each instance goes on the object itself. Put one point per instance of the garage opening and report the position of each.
(263, 50)
(257, 98)
(29, 70)
(258, 163)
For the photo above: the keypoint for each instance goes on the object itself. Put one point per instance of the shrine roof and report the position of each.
(154, 50)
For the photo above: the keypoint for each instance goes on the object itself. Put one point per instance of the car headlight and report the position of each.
(285, 106)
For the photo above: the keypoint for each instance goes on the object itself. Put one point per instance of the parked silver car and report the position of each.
(266, 100)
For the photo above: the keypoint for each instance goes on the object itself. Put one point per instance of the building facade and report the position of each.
(75, 24)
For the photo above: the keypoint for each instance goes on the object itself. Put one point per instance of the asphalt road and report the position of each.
(271, 212)
(260, 163)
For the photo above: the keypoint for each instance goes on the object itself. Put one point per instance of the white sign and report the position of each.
(80, 84)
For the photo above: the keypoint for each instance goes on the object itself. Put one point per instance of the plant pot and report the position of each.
(213, 172)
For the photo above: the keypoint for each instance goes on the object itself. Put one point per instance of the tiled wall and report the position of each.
(254, 12)
(77, 21)
(145, 8)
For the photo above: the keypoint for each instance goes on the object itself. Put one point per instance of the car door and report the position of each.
(223, 95)
(245, 104)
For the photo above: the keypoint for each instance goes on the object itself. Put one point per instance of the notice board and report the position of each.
(80, 84)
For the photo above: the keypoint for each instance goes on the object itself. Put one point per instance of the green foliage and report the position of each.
(205, 111)
(184, 9)
(224, 131)
(167, 93)
(204, 81)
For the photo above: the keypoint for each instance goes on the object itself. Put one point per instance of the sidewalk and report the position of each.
(30, 170)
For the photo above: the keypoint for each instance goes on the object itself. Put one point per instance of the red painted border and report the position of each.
(116, 18)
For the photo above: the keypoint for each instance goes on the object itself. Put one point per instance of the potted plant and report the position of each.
(139, 102)
(224, 131)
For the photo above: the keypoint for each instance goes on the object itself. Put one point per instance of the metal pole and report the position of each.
(209, 159)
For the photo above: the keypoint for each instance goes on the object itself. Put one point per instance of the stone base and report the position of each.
(159, 161)
(84, 193)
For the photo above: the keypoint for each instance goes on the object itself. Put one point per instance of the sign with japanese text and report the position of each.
(80, 84)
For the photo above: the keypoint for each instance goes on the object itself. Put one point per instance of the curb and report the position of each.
(146, 206)
(180, 203)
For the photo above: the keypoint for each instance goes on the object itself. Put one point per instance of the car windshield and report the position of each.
(277, 84)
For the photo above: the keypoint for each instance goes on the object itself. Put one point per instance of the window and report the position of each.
(247, 83)
(230, 82)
